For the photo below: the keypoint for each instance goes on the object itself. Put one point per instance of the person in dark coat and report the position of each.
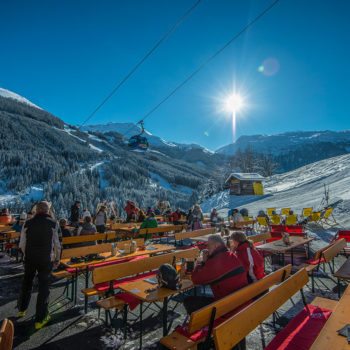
(40, 245)
(63, 231)
(219, 268)
(75, 214)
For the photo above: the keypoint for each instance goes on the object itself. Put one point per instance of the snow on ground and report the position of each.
(157, 180)
(9, 94)
(69, 131)
(99, 150)
(33, 193)
(299, 188)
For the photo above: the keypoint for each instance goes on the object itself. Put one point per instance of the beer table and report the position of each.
(279, 247)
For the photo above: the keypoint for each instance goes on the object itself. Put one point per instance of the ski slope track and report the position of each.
(300, 188)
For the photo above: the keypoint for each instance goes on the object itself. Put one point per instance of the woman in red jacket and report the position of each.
(250, 258)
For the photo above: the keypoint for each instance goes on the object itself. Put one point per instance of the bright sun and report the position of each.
(234, 103)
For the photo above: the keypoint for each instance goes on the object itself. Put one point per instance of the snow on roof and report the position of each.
(246, 176)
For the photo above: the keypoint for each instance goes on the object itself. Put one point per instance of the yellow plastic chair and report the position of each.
(307, 212)
(285, 211)
(270, 210)
(262, 221)
(315, 216)
(291, 220)
(275, 219)
(328, 214)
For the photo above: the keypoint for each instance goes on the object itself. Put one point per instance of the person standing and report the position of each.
(75, 214)
(40, 245)
(101, 219)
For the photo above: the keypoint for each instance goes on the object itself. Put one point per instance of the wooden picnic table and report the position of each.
(343, 273)
(279, 247)
(328, 338)
(148, 292)
(150, 250)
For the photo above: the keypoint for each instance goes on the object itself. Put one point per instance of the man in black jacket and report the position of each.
(75, 214)
(40, 245)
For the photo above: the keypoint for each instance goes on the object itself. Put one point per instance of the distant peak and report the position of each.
(12, 95)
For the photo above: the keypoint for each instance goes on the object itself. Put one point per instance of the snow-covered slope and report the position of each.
(128, 130)
(9, 94)
(300, 188)
(281, 143)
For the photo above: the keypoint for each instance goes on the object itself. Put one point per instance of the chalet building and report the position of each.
(244, 184)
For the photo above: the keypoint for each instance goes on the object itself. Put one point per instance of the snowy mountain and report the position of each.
(42, 157)
(12, 95)
(191, 153)
(303, 187)
(127, 130)
(285, 142)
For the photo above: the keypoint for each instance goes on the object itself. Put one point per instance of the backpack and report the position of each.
(168, 277)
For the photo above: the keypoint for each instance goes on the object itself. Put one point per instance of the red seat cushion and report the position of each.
(294, 229)
(277, 228)
(202, 333)
(344, 234)
(302, 330)
(316, 261)
(114, 262)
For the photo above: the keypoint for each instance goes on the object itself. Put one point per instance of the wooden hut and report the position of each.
(244, 184)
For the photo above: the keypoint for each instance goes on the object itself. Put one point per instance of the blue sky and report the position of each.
(67, 55)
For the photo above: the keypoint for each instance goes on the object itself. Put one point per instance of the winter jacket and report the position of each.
(252, 261)
(222, 271)
(74, 213)
(39, 239)
(237, 217)
(130, 208)
(87, 229)
(101, 218)
(149, 223)
(214, 217)
(175, 216)
(64, 232)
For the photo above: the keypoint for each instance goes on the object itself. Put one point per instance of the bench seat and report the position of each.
(111, 303)
(302, 330)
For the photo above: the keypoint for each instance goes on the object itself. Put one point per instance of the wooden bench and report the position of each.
(343, 274)
(180, 236)
(328, 338)
(154, 232)
(209, 316)
(323, 256)
(6, 335)
(301, 328)
(83, 239)
(105, 279)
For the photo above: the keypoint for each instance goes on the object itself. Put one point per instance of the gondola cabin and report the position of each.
(244, 184)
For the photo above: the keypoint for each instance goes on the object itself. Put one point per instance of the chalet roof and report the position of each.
(246, 176)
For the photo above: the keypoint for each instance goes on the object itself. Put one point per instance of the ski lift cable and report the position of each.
(207, 61)
(144, 58)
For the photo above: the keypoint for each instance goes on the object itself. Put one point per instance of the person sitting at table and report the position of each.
(87, 228)
(236, 217)
(150, 222)
(214, 217)
(219, 268)
(141, 216)
(248, 255)
(175, 217)
(262, 214)
(17, 226)
(63, 230)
